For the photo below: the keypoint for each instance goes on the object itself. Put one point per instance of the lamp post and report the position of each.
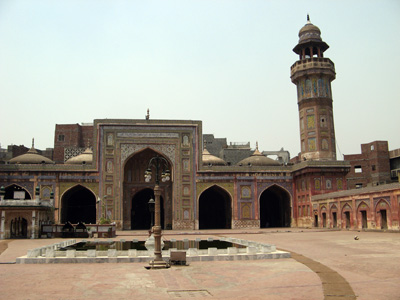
(158, 163)
(151, 209)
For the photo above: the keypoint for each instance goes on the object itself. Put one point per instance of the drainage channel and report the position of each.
(334, 285)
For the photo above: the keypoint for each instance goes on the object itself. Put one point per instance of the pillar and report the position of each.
(33, 224)
(2, 226)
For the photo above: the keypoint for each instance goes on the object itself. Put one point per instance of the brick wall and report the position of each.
(71, 135)
(371, 167)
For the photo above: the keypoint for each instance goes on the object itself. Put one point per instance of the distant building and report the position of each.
(394, 156)
(371, 167)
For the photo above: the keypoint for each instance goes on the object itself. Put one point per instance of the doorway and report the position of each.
(140, 212)
(383, 219)
(334, 219)
(215, 209)
(347, 218)
(19, 228)
(324, 220)
(78, 205)
(315, 220)
(364, 222)
(275, 210)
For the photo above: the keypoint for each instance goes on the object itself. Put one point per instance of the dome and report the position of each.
(211, 160)
(309, 32)
(31, 157)
(258, 159)
(85, 157)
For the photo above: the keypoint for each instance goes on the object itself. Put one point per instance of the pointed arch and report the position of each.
(15, 191)
(78, 204)
(78, 185)
(216, 185)
(346, 207)
(275, 207)
(148, 148)
(363, 214)
(363, 205)
(215, 208)
(277, 186)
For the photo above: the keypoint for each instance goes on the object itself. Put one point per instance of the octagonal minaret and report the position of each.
(313, 74)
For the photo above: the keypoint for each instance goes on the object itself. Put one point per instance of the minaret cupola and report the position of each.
(310, 42)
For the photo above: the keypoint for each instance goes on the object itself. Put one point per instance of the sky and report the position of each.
(226, 63)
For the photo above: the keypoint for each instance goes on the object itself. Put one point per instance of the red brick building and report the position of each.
(71, 140)
(371, 167)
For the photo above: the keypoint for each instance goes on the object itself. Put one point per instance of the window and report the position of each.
(372, 147)
(373, 168)
(358, 185)
(323, 121)
(61, 138)
(357, 169)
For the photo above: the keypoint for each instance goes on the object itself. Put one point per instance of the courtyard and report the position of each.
(325, 264)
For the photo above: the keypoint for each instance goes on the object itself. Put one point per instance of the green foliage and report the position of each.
(103, 221)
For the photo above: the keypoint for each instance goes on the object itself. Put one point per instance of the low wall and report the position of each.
(52, 254)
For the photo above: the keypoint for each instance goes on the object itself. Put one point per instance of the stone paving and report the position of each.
(324, 265)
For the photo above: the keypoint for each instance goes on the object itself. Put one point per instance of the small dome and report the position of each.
(211, 160)
(31, 157)
(258, 159)
(85, 157)
(309, 32)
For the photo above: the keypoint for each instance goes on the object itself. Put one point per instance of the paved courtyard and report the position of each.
(324, 265)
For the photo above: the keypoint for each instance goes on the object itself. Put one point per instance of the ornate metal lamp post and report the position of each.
(158, 163)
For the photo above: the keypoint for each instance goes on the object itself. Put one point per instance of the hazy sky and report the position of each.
(226, 63)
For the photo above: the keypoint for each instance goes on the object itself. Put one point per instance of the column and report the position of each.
(33, 224)
(2, 227)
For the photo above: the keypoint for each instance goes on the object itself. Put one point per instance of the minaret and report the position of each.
(313, 74)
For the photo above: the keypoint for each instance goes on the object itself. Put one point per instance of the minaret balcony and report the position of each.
(312, 65)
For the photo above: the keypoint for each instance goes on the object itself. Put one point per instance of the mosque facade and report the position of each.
(98, 170)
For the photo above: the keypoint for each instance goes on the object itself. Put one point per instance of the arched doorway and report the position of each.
(137, 192)
(215, 210)
(140, 212)
(275, 208)
(78, 205)
(382, 212)
(346, 217)
(363, 215)
(334, 217)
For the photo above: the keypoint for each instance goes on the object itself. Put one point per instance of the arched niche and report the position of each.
(215, 209)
